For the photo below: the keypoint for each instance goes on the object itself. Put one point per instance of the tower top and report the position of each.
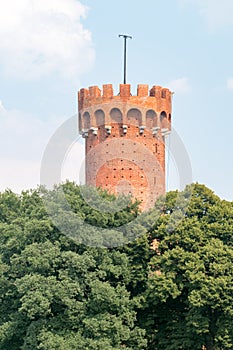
(124, 139)
(152, 106)
(157, 96)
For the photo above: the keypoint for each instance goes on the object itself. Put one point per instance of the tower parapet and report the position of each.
(156, 101)
(132, 125)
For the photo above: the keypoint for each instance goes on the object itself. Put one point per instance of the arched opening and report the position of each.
(169, 118)
(86, 121)
(116, 116)
(163, 120)
(151, 119)
(100, 123)
(100, 118)
(134, 117)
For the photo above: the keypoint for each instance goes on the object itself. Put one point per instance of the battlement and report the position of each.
(150, 109)
(94, 95)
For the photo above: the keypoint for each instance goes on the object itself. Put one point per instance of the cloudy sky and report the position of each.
(49, 49)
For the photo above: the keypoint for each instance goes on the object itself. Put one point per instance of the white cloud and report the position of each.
(230, 83)
(41, 37)
(23, 139)
(180, 85)
(216, 13)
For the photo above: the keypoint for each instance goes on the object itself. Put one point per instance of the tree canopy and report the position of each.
(170, 287)
(190, 287)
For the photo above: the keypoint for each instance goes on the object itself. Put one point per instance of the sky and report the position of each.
(49, 49)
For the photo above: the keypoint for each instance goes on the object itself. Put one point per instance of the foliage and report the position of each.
(170, 288)
(56, 293)
(190, 286)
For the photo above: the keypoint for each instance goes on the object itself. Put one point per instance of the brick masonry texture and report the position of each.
(124, 139)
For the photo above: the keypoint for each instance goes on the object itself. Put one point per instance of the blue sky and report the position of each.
(49, 49)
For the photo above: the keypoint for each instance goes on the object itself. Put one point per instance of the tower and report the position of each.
(124, 139)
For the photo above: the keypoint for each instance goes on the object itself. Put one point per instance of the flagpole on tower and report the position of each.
(125, 52)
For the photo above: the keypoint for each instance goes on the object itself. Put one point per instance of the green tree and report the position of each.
(190, 285)
(55, 292)
(170, 288)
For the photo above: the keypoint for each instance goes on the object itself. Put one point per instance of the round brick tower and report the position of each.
(124, 136)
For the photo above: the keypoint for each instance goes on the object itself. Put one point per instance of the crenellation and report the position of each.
(108, 90)
(163, 93)
(125, 90)
(153, 91)
(94, 92)
(142, 90)
(82, 96)
(84, 93)
(156, 91)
